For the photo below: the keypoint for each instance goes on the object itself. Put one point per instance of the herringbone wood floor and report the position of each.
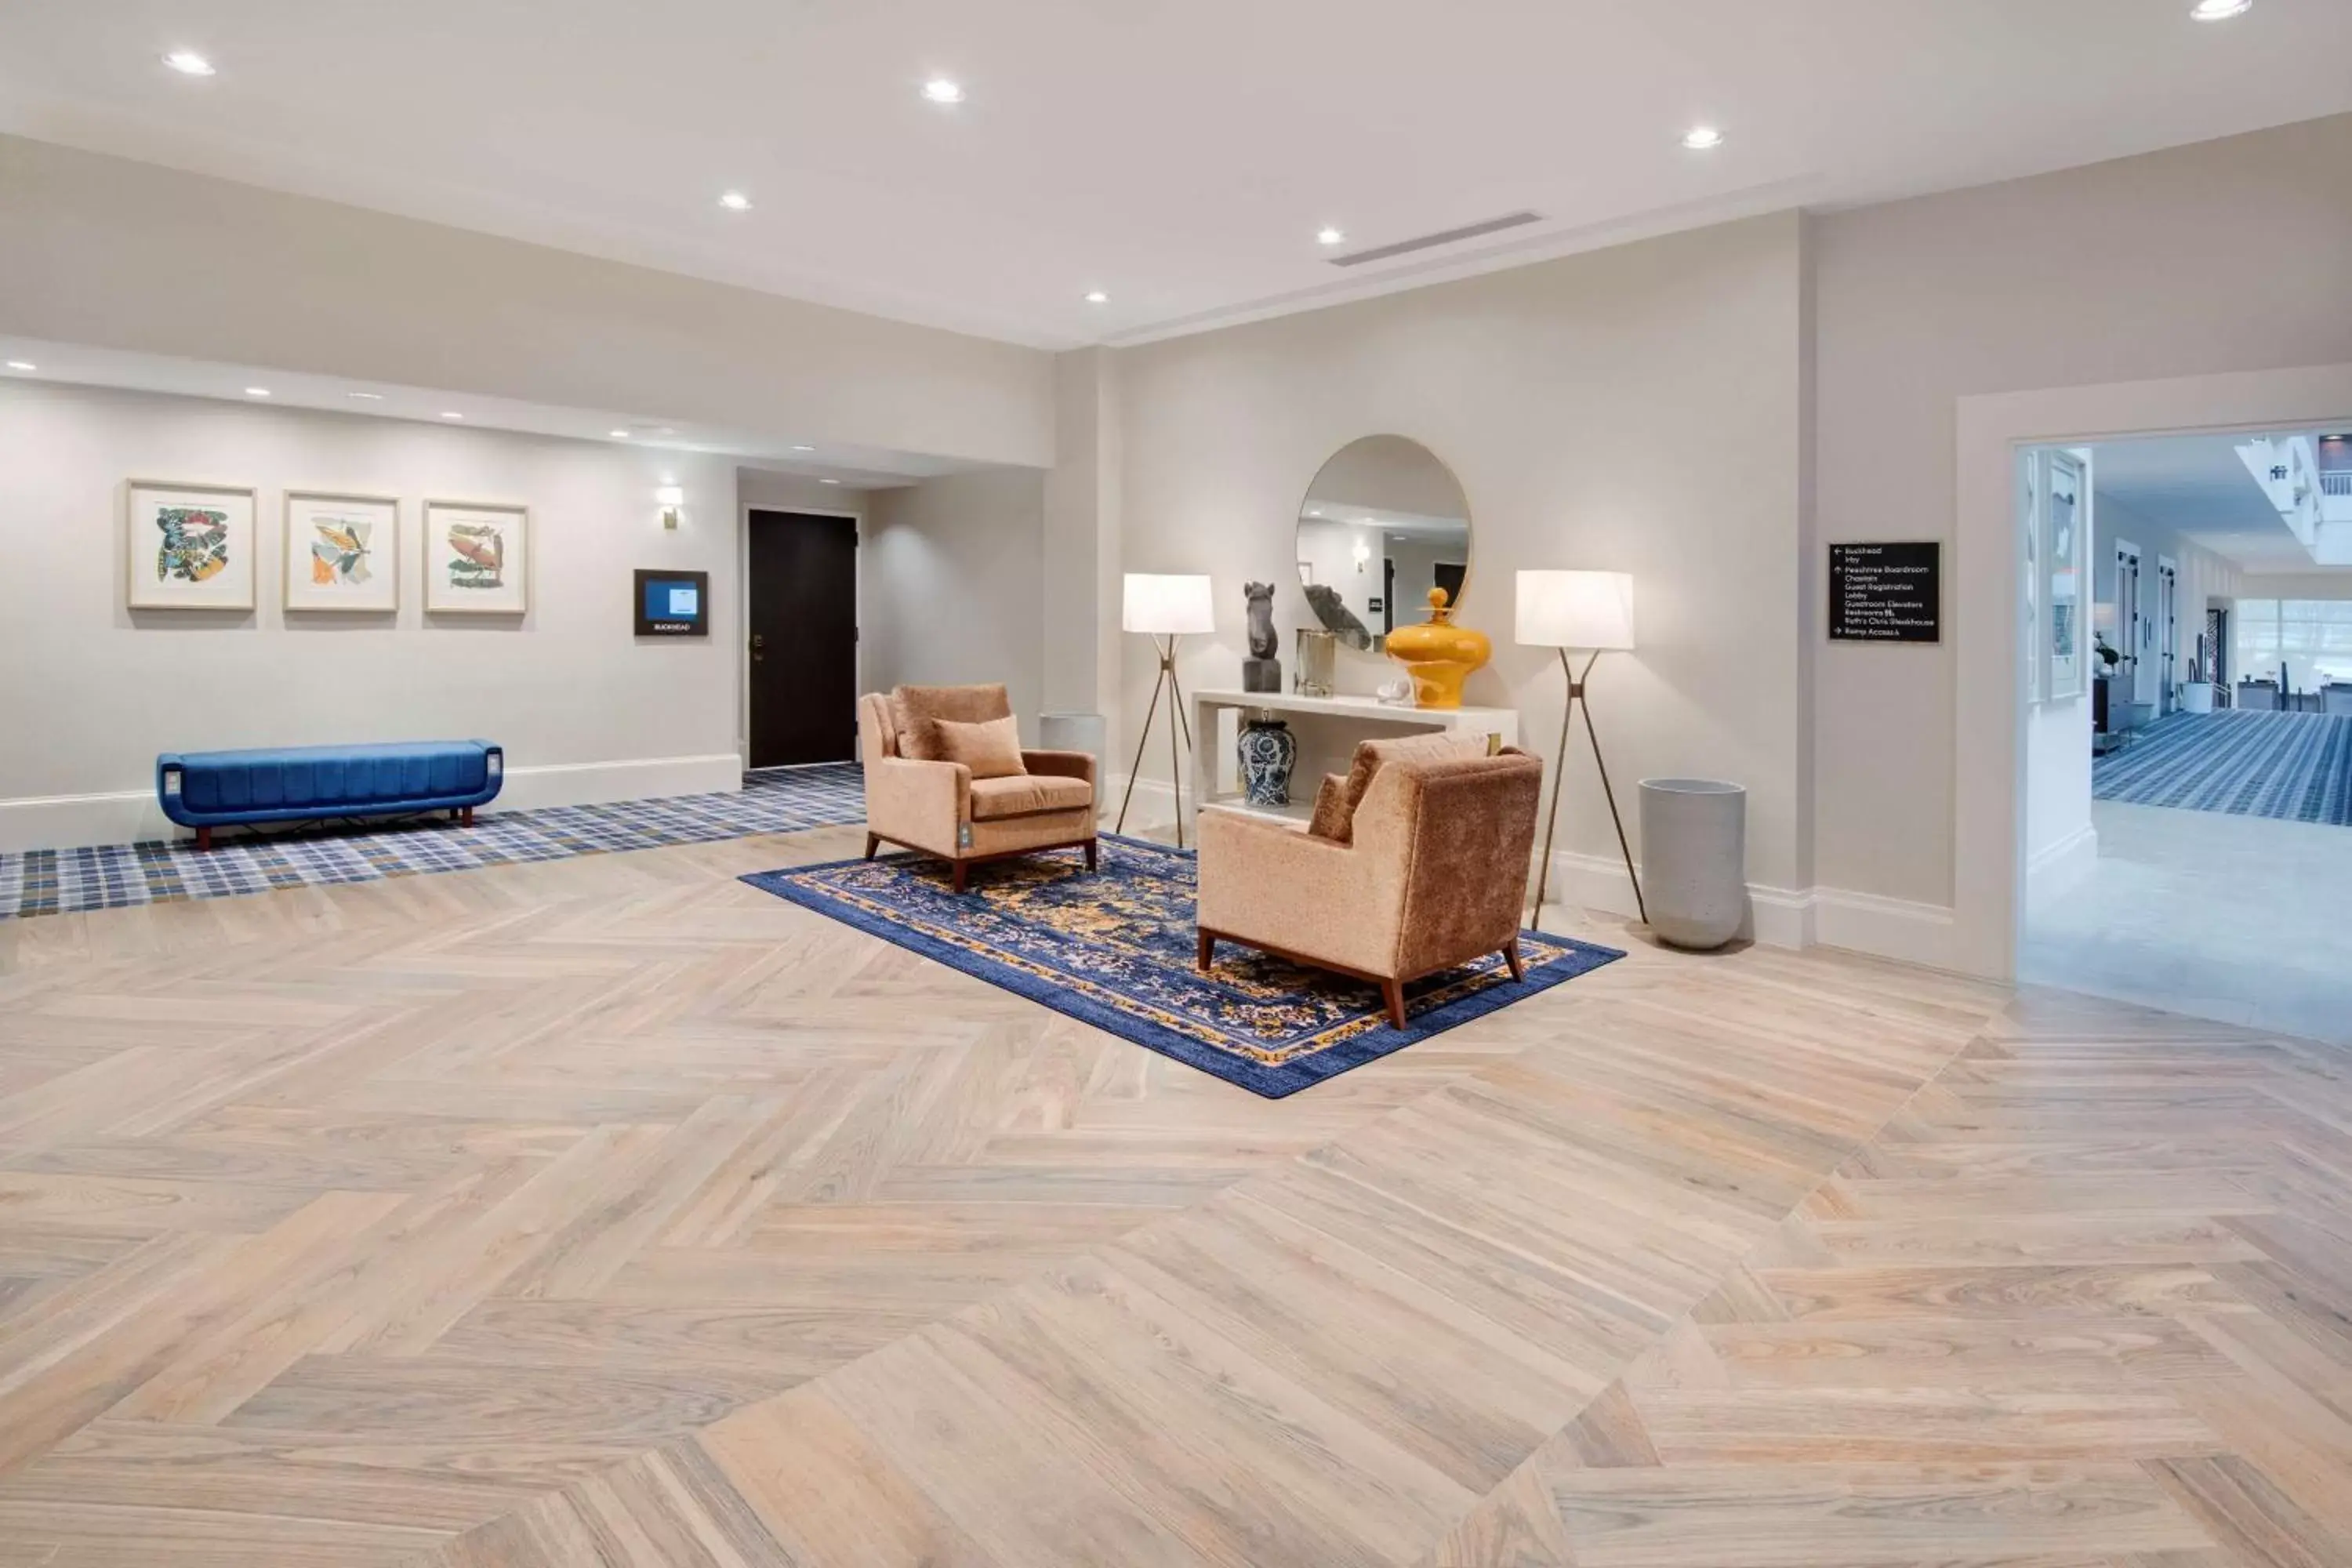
(610, 1212)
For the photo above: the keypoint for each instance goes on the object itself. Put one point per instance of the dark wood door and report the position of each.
(803, 638)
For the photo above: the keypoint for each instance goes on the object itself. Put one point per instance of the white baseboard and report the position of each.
(1885, 928)
(1154, 805)
(634, 778)
(130, 816)
(1778, 917)
(2063, 866)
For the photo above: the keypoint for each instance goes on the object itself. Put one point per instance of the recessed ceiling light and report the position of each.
(21, 364)
(940, 89)
(620, 434)
(257, 391)
(1329, 235)
(2220, 10)
(735, 202)
(366, 396)
(1096, 297)
(448, 414)
(804, 449)
(828, 481)
(188, 62)
(1701, 138)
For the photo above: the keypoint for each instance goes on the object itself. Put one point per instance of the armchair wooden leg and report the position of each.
(466, 818)
(1208, 951)
(1092, 862)
(204, 839)
(1393, 993)
(872, 843)
(963, 871)
(1511, 956)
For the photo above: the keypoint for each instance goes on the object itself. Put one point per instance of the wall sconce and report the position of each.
(672, 498)
(1363, 553)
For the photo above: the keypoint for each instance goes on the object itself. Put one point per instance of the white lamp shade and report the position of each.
(1576, 609)
(1166, 605)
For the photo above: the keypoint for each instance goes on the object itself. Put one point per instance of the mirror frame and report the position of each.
(1469, 530)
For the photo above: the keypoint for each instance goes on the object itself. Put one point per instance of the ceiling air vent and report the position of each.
(1431, 241)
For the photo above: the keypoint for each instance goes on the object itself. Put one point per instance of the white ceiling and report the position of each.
(1180, 156)
(2199, 487)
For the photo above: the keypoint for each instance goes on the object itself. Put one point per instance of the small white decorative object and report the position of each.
(1694, 860)
(1397, 693)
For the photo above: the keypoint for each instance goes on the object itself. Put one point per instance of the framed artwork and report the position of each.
(190, 546)
(342, 553)
(477, 558)
(2029, 511)
(2066, 539)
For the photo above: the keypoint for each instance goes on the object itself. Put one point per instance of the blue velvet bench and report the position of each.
(204, 790)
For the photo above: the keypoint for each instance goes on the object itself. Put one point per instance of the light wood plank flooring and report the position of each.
(611, 1212)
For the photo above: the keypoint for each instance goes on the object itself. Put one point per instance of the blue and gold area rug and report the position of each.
(1116, 949)
(112, 876)
(2294, 766)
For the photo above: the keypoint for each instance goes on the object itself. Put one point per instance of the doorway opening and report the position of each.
(2187, 803)
(800, 620)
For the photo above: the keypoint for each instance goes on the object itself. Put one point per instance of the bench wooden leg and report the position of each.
(1208, 951)
(1393, 993)
(872, 844)
(204, 839)
(1511, 956)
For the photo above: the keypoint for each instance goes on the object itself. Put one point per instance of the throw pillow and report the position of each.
(991, 750)
(1336, 820)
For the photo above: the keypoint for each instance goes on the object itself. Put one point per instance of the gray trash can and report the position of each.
(1694, 860)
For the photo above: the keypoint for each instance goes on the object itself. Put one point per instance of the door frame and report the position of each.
(2127, 637)
(743, 607)
(1989, 721)
(2168, 631)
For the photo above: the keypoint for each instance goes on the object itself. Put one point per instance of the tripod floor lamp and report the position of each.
(1164, 608)
(1590, 612)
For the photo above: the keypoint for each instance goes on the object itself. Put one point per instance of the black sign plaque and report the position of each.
(1886, 592)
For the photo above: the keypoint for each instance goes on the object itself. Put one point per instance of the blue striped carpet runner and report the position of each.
(2294, 766)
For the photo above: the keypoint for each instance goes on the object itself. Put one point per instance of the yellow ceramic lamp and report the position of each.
(1439, 655)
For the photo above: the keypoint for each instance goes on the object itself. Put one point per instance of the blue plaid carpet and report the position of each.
(2294, 766)
(1115, 949)
(778, 800)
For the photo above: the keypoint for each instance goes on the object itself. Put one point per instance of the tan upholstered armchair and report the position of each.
(918, 795)
(1417, 862)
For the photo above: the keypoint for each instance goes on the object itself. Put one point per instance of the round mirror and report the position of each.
(1382, 525)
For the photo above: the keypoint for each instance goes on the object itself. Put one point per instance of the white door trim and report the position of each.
(1987, 849)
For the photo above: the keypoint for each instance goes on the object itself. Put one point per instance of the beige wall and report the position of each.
(1564, 396)
(952, 582)
(122, 255)
(91, 690)
(2230, 254)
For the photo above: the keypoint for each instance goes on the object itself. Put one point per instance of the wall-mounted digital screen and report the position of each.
(673, 604)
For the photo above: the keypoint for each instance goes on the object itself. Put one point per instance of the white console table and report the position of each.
(1326, 729)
